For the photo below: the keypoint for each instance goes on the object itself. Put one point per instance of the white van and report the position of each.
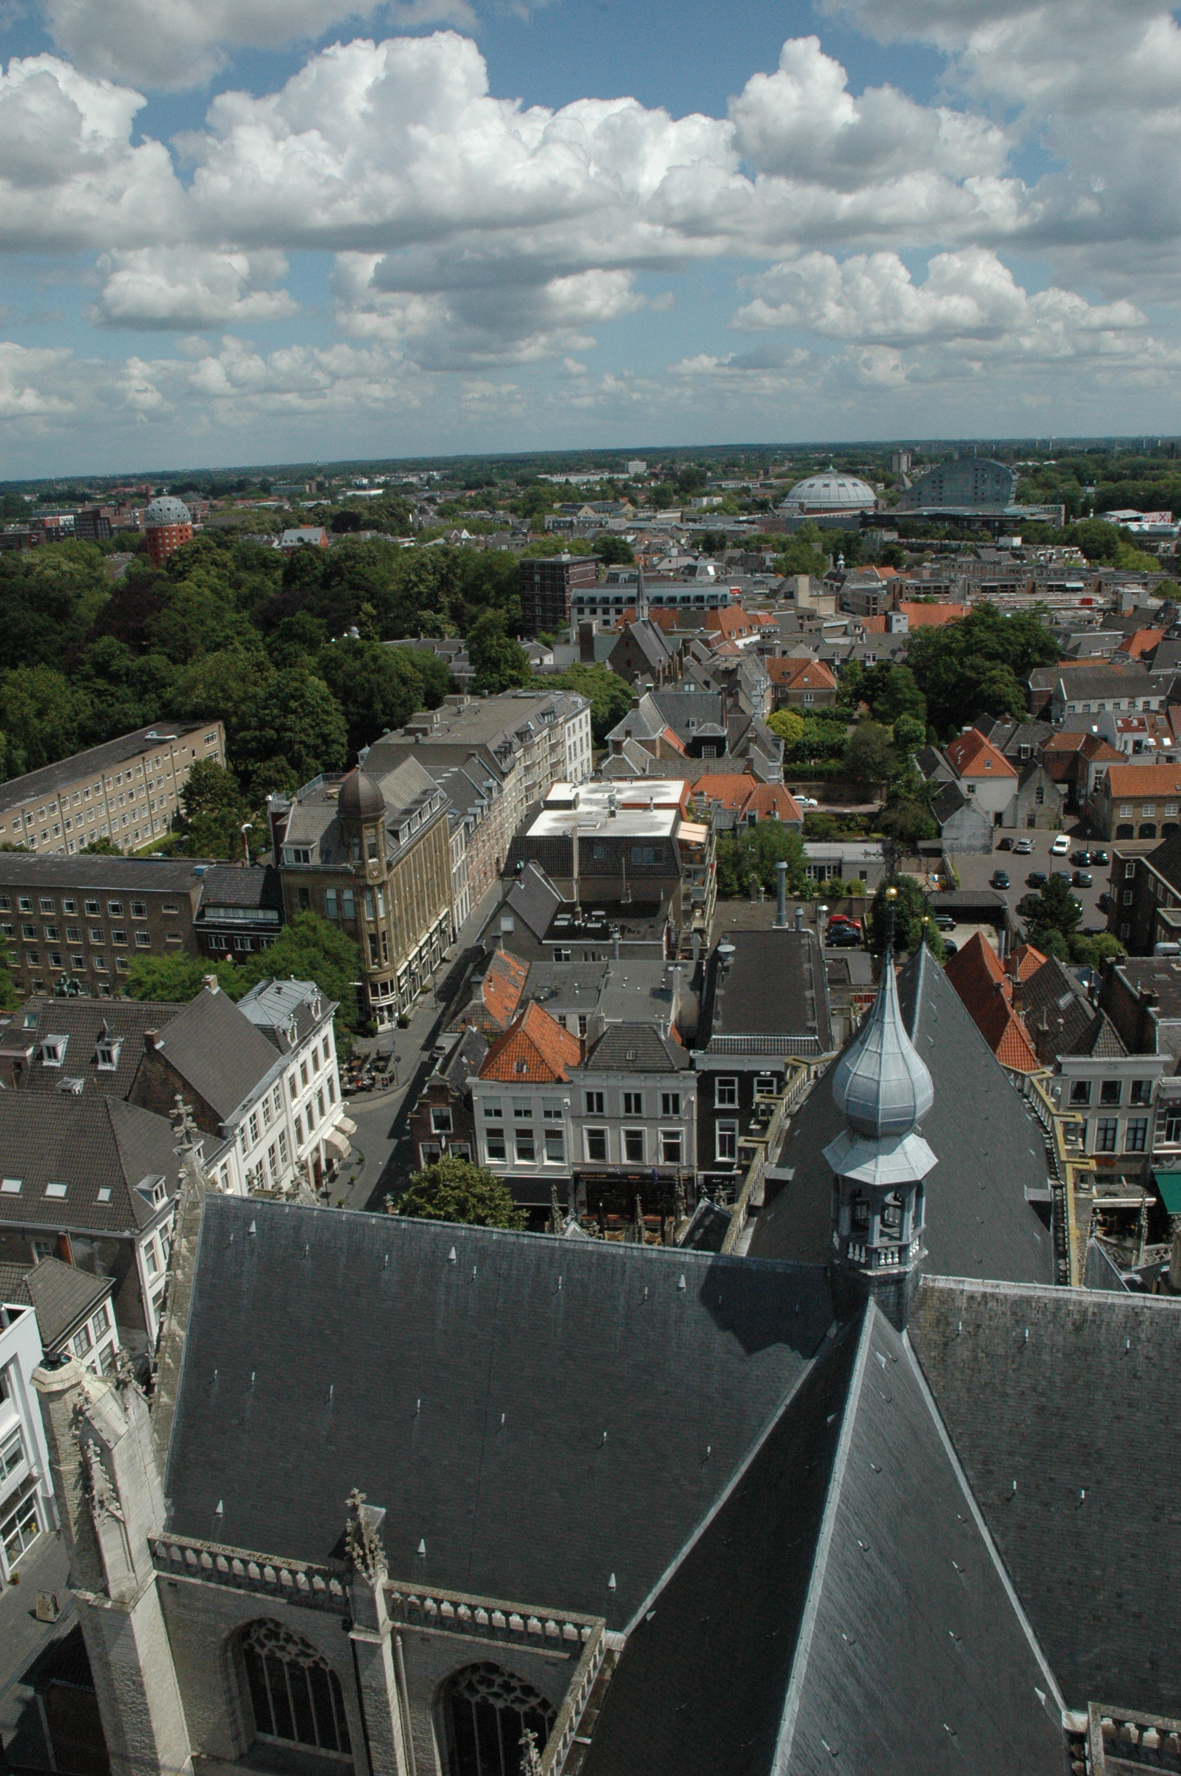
(1060, 847)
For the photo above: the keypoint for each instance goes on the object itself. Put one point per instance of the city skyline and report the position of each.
(264, 233)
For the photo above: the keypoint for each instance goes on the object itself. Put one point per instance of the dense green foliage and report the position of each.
(978, 666)
(456, 1190)
(610, 696)
(1052, 917)
(752, 855)
(912, 924)
(174, 980)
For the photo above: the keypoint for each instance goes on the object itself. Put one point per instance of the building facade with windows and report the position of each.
(1136, 802)
(240, 911)
(126, 790)
(371, 853)
(547, 584)
(494, 756)
(632, 1130)
(441, 1123)
(521, 1099)
(86, 919)
(26, 1490)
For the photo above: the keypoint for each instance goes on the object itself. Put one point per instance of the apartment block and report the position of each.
(547, 583)
(126, 790)
(85, 919)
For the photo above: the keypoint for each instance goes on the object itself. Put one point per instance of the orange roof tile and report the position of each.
(733, 790)
(807, 675)
(1143, 780)
(1024, 961)
(503, 985)
(978, 978)
(1142, 641)
(926, 616)
(535, 1050)
(971, 755)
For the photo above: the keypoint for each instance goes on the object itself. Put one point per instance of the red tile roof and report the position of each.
(971, 755)
(535, 1050)
(981, 982)
(1024, 961)
(1142, 641)
(502, 988)
(1134, 781)
(921, 616)
(800, 675)
(732, 790)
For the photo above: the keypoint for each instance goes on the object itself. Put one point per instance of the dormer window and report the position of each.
(297, 854)
(53, 1050)
(107, 1054)
(154, 1188)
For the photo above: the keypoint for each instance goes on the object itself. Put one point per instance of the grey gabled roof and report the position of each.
(865, 1620)
(989, 1148)
(1061, 1019)
(90, 1144)
(1064, 1408)
(518, 1434)
(635, 1048)
(534, 899)
(61, 1294)
(217, 1050)
(83, 1022)
(230, 885)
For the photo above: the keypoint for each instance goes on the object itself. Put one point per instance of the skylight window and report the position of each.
(55, 1189)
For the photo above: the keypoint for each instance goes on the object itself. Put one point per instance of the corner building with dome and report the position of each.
(169, 525)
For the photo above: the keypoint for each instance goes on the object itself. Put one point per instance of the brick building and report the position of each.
(546, 585)
(126, 790)
(169, 526)
(87, 918)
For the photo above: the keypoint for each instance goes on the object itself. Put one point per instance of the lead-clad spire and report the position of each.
(880, 1082)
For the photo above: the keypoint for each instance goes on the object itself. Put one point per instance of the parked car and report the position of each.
(1101, 858)
(1080, 859)
(1062, 876)
(1106, 902)
(804, 801)
(1023, 848)
(999, 879)
(944, 922)
(1005, 844)
(1081, 879)
(1036, 879)
(1061, 846)
(949, 948)
(844, 919)
(843, 937)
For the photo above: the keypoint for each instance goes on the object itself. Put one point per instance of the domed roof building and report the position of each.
(167, 509)
(360, 798)
(830, 492)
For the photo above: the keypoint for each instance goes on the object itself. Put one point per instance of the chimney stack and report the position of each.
(781, 893)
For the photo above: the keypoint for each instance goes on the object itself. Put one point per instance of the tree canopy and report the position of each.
(754, 853)
(978, 666)
(456, 1190)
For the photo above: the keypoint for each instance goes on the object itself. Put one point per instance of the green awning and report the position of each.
(1169, 1185)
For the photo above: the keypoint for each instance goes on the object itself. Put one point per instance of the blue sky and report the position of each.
(445, 225)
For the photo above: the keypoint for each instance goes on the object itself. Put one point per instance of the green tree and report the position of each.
(100, 848)
(213, 810)
(979, 665)
(312, 948)
(456, 1190)
(804, 553)
(377, 687)
(891, 692)
(293, 724)
(1094, 951)
(613, 551)
(869, 755)
(500, 662)
(1054, 909)
(909, 733)
(8, 994)
(788, 724)
(610, 696)
(912, 924)
(45, 717)
(755, 852)
(908, 820)
(174, 980)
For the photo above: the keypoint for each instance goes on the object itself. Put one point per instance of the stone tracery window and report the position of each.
(488, 1711)
(294, 1691)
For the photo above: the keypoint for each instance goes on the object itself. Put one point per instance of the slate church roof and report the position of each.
(992, 1165)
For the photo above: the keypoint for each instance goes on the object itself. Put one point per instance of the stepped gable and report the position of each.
(518, 1433)
(991, 1158)
(1068, 1439)
(868, 1622)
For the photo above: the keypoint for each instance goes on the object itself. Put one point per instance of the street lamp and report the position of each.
(247, 826)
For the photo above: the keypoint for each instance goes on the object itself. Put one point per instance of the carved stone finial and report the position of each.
(362, 1543)
(183, 1126)
(530, 1756)
(104, 1500)
(557, 1220)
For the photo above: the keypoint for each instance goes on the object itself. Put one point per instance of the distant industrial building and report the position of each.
(965, 481)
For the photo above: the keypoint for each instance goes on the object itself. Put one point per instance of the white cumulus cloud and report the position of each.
(183, 288)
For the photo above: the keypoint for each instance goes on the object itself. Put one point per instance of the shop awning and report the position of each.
(337, 1143)
(1169, 1186)
(347, 1126)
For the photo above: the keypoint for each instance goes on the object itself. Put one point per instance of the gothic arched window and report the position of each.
(293, 1690)
(487, 1713)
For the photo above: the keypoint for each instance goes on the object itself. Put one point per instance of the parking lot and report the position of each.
(976, 872)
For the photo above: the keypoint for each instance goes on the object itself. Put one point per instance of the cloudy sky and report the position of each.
(263, 230)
